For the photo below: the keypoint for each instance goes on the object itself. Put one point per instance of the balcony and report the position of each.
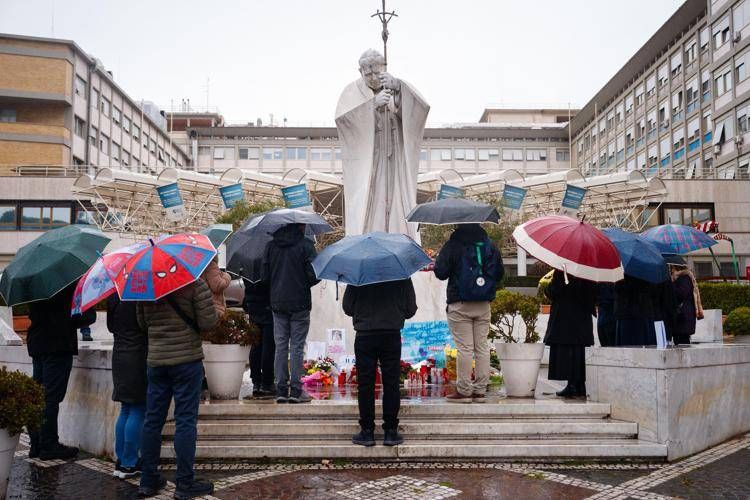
(22, 128)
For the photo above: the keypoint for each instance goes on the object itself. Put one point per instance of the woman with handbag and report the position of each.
(689, 303)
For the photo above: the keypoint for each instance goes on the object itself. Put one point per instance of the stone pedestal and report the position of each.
(689, 398)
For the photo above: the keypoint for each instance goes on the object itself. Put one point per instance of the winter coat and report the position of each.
(635, 311)
(571, 311)
(217, 281)
(257, 303)
(171, 341)
(605, 300)
(380, 306)
(128, 352)
(288, 270)
(448, 263)
(685, 320)
(665, 305)
(52, 329)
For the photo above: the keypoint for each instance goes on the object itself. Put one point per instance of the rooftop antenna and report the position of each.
(385, 18)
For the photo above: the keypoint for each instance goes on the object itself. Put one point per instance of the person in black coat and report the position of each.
(257, 305)
(683, 283)
(634, 312)
(129, 381)
(52, 342)
(570, 330)
(288, 272)
(605, 319)
(378, 312)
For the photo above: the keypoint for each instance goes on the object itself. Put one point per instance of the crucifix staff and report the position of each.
(385, 17)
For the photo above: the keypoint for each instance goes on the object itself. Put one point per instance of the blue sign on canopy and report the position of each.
(171, 200)
(573, 197)
(513, 197)
(296, 196)
(447, 191)
(232, 194)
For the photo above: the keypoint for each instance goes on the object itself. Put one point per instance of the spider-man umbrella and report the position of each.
(572, 246)
(164, 266)
(98, 282)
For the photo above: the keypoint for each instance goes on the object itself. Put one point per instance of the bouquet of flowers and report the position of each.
(406, 368)
(319, 372)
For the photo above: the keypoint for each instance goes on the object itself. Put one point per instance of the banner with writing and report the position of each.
(296, 196)
(231, 194)
(573, 197)
(171, 200)
(513, 197)
(447, 191)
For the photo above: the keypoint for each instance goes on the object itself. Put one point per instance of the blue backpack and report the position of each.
(478, 272)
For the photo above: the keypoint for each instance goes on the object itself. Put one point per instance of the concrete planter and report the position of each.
(8, 445)
(520, 366)
(224, 366)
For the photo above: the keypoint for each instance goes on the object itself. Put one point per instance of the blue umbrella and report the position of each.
(370, 258)
(677, 239)
(640, 258)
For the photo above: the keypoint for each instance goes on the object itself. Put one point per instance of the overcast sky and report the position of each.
(292, 58)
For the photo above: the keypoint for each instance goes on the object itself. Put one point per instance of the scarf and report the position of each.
(676, 273)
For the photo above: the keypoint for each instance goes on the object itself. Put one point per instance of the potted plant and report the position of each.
(21, 405)
(225, 353)
(543, 299)
(519, 357)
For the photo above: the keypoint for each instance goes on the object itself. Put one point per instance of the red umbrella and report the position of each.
(572, 246)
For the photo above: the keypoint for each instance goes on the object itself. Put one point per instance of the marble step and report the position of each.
(421, 429)
(497, 449)
(505, 408)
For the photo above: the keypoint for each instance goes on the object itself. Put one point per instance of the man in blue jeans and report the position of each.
(175, 370)
(288, 272)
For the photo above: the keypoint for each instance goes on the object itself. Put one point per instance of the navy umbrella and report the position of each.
(370, 258)
(453, 211)
(640, 258)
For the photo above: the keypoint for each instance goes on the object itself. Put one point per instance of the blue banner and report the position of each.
(296, 196)
(573, 197)
(447, 191)
(424, 340)
(513, 197)
(171, 200)
(232, 194)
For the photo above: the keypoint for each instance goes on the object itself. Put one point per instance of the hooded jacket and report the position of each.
(380, 306)
(448, 263)
(288, 270)
(128, 352)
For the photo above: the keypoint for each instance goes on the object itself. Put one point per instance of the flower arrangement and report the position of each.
(233, 328)
(406, 368)
(319, 372)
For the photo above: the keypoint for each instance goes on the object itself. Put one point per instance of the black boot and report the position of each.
(568, 392)
(365, 437)
(197, 488)
(392, 437)
(581, 390)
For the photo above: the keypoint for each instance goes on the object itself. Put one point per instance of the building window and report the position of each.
(126, 124)
(219, 154)
(39, 218)
(293, 153)
(324, 154)
(8, 218)
(703, 269)
(249, 153)
(423, 155)
(92, 137)
(740, 64)
(742, 125)
(704, 38)
(160, 154)
(7, 115)
(104, 143)
(662, 76)
(272, 153)
(721, 32)
(440, 154)
(512, 154)
(651, 86)
(79, 86)
(676, 63)
(628, 104)
(80, 128)
(690, 53)
(562, 155)
(677, 105)
(707, 125)
(706, 86)
(106, 106)
(115, 151)
(686, 213)
(153, 145)
(741, 16)
(94, 99)
(692, 95)
(116, 114)
(639, 95)
(723, 129)
(664, 115)
(125, 158)
(136, 133)
(723, 80)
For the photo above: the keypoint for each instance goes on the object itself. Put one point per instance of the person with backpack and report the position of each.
(174, 362)
(474, 269)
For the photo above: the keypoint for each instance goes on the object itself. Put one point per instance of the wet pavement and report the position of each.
(720, 472)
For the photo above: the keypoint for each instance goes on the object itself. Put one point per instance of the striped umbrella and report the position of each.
(677, 239)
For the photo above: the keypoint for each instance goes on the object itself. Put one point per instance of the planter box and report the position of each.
(21, 324)
(8, 445)
(225, 365)
(519, 364)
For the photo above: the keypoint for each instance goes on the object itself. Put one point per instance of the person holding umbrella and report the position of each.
(688, 298)
(44, 273)
(581, 256)
(379, 297)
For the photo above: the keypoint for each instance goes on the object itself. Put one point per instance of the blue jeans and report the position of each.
(128, 433)
(290, 334)
(182, 381)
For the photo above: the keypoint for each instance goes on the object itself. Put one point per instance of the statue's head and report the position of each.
(371, 64)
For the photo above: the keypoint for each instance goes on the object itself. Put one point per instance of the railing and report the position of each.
(45, 170)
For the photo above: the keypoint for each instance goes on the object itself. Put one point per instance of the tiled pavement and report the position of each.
(720, 472)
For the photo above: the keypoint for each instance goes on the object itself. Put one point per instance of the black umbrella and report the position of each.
(453, 211)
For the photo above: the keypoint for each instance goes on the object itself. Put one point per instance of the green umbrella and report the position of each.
(51, 262)
(217, 233)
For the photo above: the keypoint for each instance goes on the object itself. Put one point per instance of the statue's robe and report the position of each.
(380, 168)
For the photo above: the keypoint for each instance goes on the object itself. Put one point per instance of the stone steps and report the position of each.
(495, 449)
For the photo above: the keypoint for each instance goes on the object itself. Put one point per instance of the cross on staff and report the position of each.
(385, 17)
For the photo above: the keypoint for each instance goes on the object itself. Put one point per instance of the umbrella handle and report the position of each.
(565, 273)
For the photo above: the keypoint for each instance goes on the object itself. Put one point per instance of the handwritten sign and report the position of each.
(427, 339)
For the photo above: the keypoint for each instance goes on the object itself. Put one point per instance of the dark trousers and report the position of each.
(53, 372)
(606, 333)
(383, 347)
(183, 382)
(261, 359)
(679, 339)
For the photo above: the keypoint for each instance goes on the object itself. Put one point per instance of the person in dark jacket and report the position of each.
(129, 381)
(689, 307)
(664, 306)
(378, 312)
(569, 331)
(606, 323)
(634, 313)
(289, 274)
(469, 319)
(257, 305)
(52, 341)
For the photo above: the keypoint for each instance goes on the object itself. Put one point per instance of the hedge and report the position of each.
(738, 322)
(724, 296)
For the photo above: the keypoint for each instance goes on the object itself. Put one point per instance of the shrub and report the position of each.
(234, 328)
(21, 402)
(506, 307)
(738, 322)
(724, 296)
